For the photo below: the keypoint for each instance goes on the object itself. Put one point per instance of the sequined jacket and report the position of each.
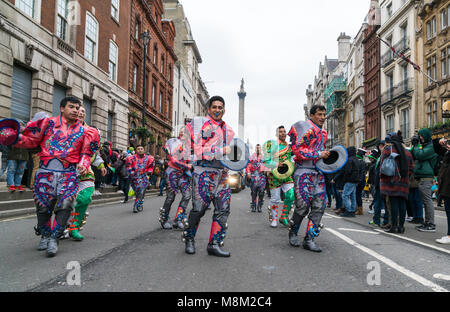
(307, 148)
(213, 137)
(140, 165)
(255, 164)
(74, 144)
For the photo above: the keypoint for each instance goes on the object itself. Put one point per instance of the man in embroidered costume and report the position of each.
(209, 141)
(86, 189)
(308, 143)
(178, 178)
(255, 172)
(140, 165)
(275, 156)
(66, 150)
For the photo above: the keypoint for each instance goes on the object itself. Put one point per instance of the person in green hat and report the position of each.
(425, 160)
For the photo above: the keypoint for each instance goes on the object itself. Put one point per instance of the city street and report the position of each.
(123, 251)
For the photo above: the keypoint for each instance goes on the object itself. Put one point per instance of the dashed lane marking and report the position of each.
(390, 263)
(442, 276)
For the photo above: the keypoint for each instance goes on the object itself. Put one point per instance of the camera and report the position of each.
(415, 140)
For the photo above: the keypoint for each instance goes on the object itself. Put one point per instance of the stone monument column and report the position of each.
(242, 94)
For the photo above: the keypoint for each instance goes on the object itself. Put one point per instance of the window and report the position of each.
(405, 77)
(431, 68)
(389, 10)
(113, 56)
(153, 95)
(429, 30)
(390, 82)
(155, 53)
(168, 106)
(160, 101)
(444, 19)
(433, 26)
(87, 104)
(404, 123)
(115, 4)
(26, 6)
(136, 30)
(432, 114)
(90, 46)
(135, 72)
(162, 64)
(444, 64)
(389, 124)
(61, 23)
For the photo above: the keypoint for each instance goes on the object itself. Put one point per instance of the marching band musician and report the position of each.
(255, 173)
(210, 177)
(310, 192)
(278, 156)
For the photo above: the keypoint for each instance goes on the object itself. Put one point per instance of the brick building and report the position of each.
(50, 49)
(371, 46)
(147, 16)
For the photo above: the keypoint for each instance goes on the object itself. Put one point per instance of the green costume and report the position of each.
(84, 198)
(274, 153)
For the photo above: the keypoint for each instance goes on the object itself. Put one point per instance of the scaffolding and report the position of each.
(334, 93)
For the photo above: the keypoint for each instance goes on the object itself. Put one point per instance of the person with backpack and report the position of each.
(424, 172)
(396, 165)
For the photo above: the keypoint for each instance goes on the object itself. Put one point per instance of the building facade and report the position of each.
(51, 49)
(184, 99)
(354, 110)
(397, 80)
(189, 58)
(433, 55)
(371, 47)
(159, 74)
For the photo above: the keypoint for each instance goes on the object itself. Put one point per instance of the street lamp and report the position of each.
(145, 36)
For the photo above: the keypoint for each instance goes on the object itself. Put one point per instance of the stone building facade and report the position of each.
(397, 80)
(50, 49)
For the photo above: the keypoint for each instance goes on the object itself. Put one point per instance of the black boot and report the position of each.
(190, 246)
(214, 249)
(309, 244)
(253, 209)
(293, 239)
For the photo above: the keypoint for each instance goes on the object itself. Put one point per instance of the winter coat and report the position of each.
(425, 156)
(444, 176)
(353, 169)
(121, 168)
(395, 186)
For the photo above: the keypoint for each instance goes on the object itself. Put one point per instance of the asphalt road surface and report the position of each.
(123, 251)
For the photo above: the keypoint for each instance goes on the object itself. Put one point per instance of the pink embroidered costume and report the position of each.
(139, 167)
(56, 184)
(178, 178)
(255, 169)
(208, 139)
(308, 141)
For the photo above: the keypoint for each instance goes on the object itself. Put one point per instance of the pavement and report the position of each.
(128, 252)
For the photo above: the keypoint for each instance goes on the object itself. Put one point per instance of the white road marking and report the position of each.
(18, 218)
(390, 263)
(442, 276)
(415, 241)
(361, 231)
(336, 217)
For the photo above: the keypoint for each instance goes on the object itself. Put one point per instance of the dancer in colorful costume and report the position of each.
(66, 150)
(308, 143)
(178, 178)
(209, 138)
(277, 154)
(86, 189)
(255, 172)
(140, 165)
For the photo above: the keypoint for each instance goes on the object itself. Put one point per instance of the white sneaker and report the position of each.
(274, 223)
(371, 211)
(443, 240)
(97, 193)
(119, 191)
(383, 212)
(409, 219)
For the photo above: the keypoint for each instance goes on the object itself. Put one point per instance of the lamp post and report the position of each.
(145, 36)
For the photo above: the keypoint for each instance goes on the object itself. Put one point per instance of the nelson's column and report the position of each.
(242, 94)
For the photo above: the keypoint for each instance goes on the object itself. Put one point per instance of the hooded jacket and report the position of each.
(352, 171)
(425, 157)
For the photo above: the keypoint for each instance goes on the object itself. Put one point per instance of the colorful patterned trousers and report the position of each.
(139, 184)
(257, 186)
(176, 180)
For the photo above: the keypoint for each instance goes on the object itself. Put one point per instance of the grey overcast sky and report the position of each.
(276, 46)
